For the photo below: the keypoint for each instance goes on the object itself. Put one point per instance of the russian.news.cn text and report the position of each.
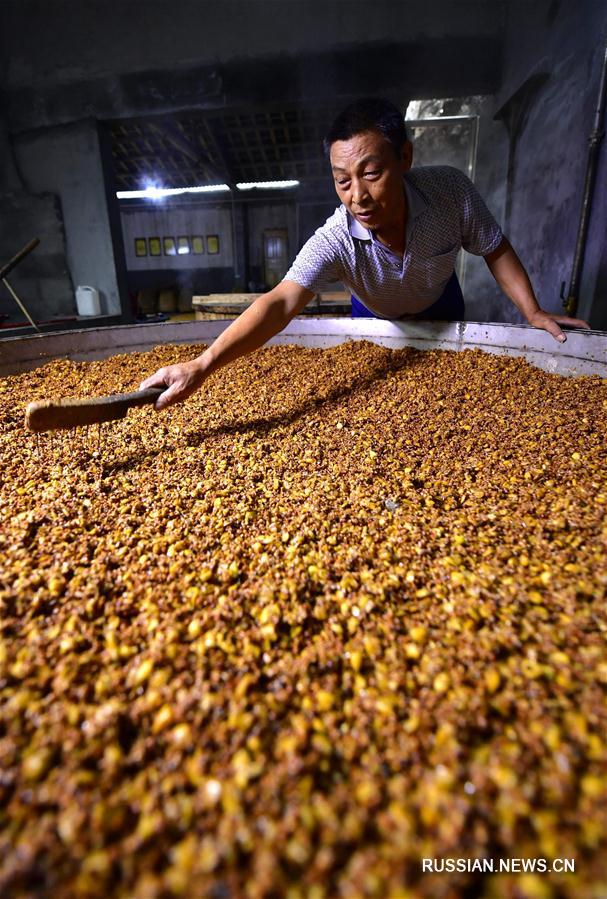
(498, 865)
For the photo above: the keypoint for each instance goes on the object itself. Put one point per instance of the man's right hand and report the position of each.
(262, 320)
(181, 380)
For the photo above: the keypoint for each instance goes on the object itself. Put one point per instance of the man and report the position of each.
(393, 241)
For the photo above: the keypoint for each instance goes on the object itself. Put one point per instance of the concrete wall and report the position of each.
(154, 34)
(66, 161)
(10, 180)
(69, 58)
(564, 42)
(41, 280)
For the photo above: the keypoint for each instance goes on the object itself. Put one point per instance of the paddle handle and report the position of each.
(52, 415)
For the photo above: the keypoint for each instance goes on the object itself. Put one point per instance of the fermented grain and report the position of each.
(342, 610)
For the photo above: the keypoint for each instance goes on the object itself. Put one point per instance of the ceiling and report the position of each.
(221, 146)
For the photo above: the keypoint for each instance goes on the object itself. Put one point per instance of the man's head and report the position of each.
(369, 114)
(369, 153)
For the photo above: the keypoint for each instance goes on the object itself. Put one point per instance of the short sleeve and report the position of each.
(316, 264)
(480, 233)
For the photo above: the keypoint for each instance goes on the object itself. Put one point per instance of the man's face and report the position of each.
(368, 179)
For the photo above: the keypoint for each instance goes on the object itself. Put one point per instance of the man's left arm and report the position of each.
(510, 274)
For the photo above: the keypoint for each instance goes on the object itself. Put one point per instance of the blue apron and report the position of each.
(449, 306)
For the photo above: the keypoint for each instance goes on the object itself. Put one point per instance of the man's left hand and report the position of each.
(549, 322)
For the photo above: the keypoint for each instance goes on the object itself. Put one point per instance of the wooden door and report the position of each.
(275, 258)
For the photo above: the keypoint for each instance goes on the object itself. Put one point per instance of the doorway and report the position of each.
(275, 258)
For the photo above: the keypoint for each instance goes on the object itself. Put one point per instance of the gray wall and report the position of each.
(42, 279)
(173, 220)
(565, 42)
(109, 58)
(65, 161)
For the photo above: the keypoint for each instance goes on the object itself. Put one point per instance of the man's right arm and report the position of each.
(269, 314)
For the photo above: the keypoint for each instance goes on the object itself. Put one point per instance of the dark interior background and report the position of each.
(97, 97)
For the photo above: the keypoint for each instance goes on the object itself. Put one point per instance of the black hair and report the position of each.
(369, 114)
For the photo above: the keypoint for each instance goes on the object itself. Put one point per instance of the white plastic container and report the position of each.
(87, 301)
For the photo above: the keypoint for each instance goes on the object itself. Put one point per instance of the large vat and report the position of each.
(427, 678)
(583, 353)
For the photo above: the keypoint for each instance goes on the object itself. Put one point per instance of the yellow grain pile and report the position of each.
(341, 611)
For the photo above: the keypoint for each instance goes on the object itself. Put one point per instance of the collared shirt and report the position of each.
(445, 213)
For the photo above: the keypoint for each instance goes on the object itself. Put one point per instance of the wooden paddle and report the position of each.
(53, 415)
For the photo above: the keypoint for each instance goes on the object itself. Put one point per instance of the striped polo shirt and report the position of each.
(445, 213)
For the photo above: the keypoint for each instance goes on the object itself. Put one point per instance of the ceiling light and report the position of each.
(158, 193)
(272, 185)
